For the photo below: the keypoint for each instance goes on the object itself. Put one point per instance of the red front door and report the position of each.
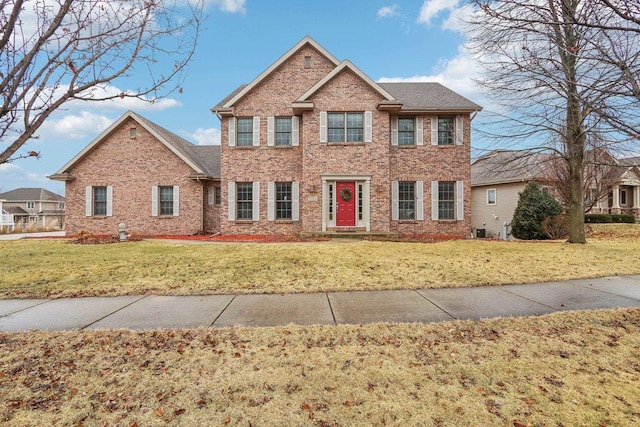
(346, 204)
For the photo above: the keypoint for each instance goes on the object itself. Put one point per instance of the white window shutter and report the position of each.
(256, 201)
(232, 131)
(460, 200)
(109, 200)
(323, 126)
(434, 200)
(395, 190)
(459, 131)
(211, 195)
(295, 201)
(434, 130)
(231, 200)
(154, 200)
(256, 131)
(176, 200)
(394, 130)
(419, 131)
(271, 131)
(419, 201)
(88, 201)
(368, 126)
(295, 131)
(271, 201)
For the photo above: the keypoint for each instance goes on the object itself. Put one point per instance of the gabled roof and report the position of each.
(178, 145)
(243, 90)
(346, 64)
(509, 166)
(31, 195)
(428, 96)
(15, 210)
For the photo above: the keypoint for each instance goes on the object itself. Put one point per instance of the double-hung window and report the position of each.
(284, 199)
(491, 196)
(99, 201)
(244, 201)
(446, 130)
(406, 131)
(244, 132)
(406, 200)
(31, 205)
(345, 127)
(446, 200)
(166, 200)
(283, 131)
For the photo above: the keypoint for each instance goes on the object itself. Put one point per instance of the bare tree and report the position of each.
(55, 51)
(543, 63)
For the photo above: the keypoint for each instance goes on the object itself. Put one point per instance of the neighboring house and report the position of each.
(497, 178)
(611, 186)
(35, 207)
(144, 176)
(622, 189)
(311, 145)
(6, 219)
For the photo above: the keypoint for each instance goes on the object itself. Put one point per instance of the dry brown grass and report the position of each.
(56, 269)
(579, 368)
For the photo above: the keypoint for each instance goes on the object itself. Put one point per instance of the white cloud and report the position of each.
(432, 8)
(231, 6)
(75, 126)
(387, 11)
(210, 136)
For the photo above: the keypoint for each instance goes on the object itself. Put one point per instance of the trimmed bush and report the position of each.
(534, 206)
(627, 219)
(598, 218)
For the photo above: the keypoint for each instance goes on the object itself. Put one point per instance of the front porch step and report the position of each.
(347, 234)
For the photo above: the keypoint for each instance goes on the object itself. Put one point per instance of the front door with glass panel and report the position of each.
(346, 204)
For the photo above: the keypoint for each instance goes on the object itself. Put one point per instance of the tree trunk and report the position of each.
(576, 199)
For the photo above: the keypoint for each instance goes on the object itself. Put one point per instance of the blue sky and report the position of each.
(388, 40)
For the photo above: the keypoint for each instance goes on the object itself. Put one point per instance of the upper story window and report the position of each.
(406, 131)
(61, 206)
(244, 132)
(491, 196)
(446, 130)
(31, 205)
(345, 127)
(283, 131)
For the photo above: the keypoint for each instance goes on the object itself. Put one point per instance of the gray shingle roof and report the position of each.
(209, 157)
(31, 195)
(428, 96)
(228, 97)
(504, 166)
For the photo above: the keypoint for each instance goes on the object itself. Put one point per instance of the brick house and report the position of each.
(144, 176)
(315, 145)
(311, 145)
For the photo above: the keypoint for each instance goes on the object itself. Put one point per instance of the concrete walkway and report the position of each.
(427, 305)
(18, 236)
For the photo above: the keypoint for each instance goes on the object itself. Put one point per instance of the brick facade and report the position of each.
(131, 166)
(314, 164)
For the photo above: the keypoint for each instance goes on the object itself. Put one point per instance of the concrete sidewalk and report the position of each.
(427, 305)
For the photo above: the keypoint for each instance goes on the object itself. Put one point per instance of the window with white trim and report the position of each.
(345, 127)
(99, 201)
(406, 200)
(31, 205)
(623, 197)
(283, 131)
(446, 130)
(244, 132)
(284, 199)
(166, 200)
(446, 200)
(244, 201)
(406, 131)
(360, 201)
(491, 196)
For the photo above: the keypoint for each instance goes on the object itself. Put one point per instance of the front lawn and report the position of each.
(46, 268)
(571, 369)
